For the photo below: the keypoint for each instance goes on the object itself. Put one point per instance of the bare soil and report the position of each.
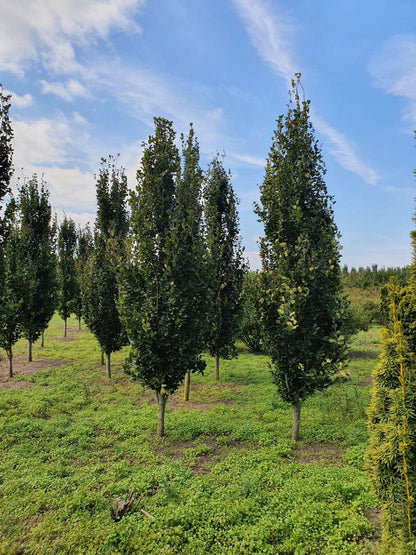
(327, 453)
(22, 368)
(204, 462)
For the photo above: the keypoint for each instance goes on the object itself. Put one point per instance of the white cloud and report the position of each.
(254, 259)
(271, 35)
(80, 218)
(78, 119)
(56, 149)
(68, 90)
(41, 141)
(19, 101)
(46, 30)
(344, 152)
(251, 160)
(394, 70)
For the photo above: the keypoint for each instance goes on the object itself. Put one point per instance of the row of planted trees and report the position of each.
(164, 275)
(168, 277)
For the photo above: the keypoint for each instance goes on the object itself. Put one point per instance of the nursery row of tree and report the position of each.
(373, 276)
(166, 276)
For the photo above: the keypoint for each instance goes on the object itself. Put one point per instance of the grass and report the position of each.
(226, 479)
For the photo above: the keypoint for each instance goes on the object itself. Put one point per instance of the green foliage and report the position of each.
(303, 309)
(6, 171)
(67, 276)
(226, 263)
(37, 244)
(391, 454)
(160, 281)
(6, 147)
(368, 278)
(100, 288)
(83, 250)
(251, 329)
(14, 284)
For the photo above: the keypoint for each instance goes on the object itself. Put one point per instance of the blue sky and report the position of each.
(87, 77)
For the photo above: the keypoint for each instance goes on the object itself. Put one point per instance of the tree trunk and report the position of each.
(64, 327)
(10, 357)
(79, 323)
(42, 339)
(102, 358)
(295, 420)
(186, 388)
(107, 365)
(217, 368)
(161, 405)
(29, 350)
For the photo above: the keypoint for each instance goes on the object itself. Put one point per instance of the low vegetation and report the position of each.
(226, 479)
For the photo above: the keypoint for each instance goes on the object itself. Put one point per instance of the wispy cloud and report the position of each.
(250, 160)
(393, 69)
(272, 35)
(344, 151)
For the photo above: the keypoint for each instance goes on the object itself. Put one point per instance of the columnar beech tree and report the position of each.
(83, 250)
(6, 171)
(226, 263)
(159, 279)
(100, 288)
(191, 264)
(6, 147)
(37, 244)
(302, 303)
(14, 285)
(251, 329)
(67, 277)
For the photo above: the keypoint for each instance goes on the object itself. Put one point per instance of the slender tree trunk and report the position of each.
(102, 358)
(186, 386)
(79, 323)
(295, 420)
(42, 339)
(217, 367)
(10, 357)
(107, 365)
(64, 327)
(29, 350)
(161, 405)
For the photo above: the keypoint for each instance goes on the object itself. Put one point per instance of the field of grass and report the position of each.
(226, 479)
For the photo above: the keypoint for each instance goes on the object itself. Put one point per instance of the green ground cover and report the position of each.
(226, 479)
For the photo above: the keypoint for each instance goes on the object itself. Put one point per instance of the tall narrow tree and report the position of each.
(190, 268)
(67, 277)
(302, 304)
(226, 263)
(14, 285)
(83, 251)
(100, 288)
(159, 281)
(6, 171)
(37, 239)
